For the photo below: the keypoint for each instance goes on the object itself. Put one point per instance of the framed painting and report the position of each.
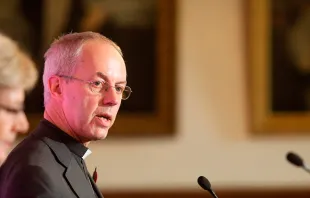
(278, 61)
(144, 29)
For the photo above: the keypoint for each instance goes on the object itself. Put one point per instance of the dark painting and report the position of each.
(144, 30)
(290, 52)
(132, 25)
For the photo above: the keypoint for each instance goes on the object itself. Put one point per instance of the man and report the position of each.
(84, 82)
(18, 75)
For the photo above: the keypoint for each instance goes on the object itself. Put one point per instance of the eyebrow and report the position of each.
(105, 77)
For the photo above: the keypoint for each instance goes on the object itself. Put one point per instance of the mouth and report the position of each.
(105, 116)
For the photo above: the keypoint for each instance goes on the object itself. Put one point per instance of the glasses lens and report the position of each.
(95, 88)
(126, 93)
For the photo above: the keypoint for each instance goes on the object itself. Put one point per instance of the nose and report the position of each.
(21, 124)
(110, 97)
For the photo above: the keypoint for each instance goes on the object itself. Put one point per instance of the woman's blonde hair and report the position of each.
(16, 67)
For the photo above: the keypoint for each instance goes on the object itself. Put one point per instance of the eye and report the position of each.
(97, 83)
(119, 89)
(12, 110)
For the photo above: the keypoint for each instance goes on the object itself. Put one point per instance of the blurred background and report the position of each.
(212, 106)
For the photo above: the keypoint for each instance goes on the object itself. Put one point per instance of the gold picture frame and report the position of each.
(259, 53)
(161, 121)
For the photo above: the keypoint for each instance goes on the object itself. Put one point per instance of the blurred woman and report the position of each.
(18, 75)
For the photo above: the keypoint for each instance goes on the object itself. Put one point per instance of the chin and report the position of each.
(2, 157)
(101, 134)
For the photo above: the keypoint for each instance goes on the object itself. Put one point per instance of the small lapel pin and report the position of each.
(95, 175)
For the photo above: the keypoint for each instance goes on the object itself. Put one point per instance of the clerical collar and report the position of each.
(72, 144)
(86, 154)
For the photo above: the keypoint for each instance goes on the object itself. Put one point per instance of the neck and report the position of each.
(57, 117)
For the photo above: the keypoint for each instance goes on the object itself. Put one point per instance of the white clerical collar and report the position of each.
(86, 154)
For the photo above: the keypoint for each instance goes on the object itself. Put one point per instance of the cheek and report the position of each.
(115, 110)
(85, 108)
(71, 101)
(5, 126)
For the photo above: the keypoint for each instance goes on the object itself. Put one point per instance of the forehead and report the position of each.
(12, 96)
(100, 56)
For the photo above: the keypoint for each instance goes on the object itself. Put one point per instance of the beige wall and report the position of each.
(212, 138)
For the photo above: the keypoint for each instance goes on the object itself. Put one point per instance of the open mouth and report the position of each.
(105, 116)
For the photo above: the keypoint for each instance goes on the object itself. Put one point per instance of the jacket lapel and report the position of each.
(97, 191)
(77, 180)
(74, 175)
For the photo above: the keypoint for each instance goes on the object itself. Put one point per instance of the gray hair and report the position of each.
(62, 56)
(17, 69)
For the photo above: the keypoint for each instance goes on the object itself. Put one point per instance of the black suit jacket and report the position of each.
(42, 166)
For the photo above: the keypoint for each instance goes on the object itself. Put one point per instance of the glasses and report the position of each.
(98, 85)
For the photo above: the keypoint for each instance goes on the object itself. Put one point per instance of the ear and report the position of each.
(54, 86)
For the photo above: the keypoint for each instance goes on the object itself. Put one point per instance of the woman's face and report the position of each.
(12, 118)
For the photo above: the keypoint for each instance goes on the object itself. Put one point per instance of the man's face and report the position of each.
(12, 118)
(86, 111)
